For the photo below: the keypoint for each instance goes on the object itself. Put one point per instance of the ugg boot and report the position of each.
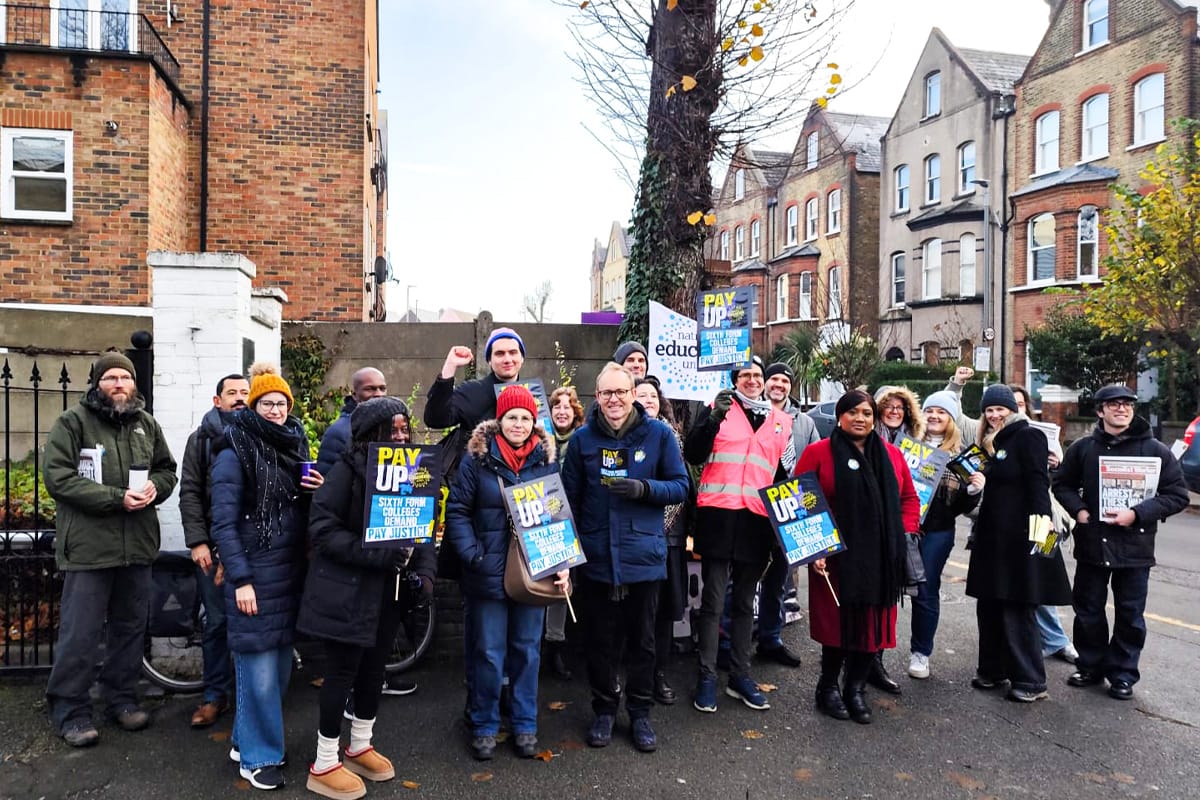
(337, 783)
(370, 764)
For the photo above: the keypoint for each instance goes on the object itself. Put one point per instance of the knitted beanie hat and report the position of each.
(943, 399)
(778, 368)
(515, 396)
(999, 395)
(626, 349)
(371, 414)
(264, 378)
(111, 360)
(501, 333)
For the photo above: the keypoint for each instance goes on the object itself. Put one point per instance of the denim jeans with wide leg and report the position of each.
(218, 668)
(99, 606)
(506, 640)
(262, 683)
(927, 605)
(1050, 628)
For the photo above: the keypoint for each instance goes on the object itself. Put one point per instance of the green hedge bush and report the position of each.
(18, 514)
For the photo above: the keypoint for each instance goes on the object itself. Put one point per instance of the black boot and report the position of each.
(879, 678)
(829, 699)
(663, 692)
(858, 666)
(557, 656)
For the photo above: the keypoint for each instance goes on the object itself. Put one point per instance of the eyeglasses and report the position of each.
(605, 394)
(886, 409)
(273, 405)
(117, 379)
(1119, 404)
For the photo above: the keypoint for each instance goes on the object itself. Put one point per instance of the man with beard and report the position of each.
(107, 538)
(195, 498)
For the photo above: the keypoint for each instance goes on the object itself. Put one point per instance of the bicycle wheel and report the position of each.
(413, 639)
(176, 663)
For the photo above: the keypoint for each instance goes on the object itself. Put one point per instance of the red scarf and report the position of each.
(515, 456)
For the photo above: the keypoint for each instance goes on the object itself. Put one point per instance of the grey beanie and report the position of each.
(368, 415)
(945, 400)
(999, 395)
(624, 350)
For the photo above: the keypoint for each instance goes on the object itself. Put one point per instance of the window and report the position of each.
(897, 279)
(36, 174)
(933, 179)
(94, 24)
(724, 245)
(1148, 109)
(793, 224)
(933, 94)
(966, 168)
(1094, 141)
(781, 297)
(1095, 23)
(755, 237)
(1045, 157)
(931, 270)
(739, 243)
(901, 176)
(1041, 248)
(835, 293)
(810, 219)
(966, 265)
(833, 211)
(739, 184)
(1089, 228)
(810, 151)
(805, 309)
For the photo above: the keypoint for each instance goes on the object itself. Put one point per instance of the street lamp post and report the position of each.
(988, 314)
(407, 305)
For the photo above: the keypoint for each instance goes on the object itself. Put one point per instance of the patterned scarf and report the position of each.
(270, 456)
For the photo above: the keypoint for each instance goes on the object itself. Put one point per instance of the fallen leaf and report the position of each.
(317, 683)
(481, 777)
(242, 785)
(710, 219)
(756, 30)
(1092, 777)
(1121, 777)
(688, 82)
(752, 734)
(965, 781)
(803, 774)
(757, 53)
(557, 705)
(695, 217)
(545, 755)
(219, 736)
(886, 703)
(410, 784)
(501, 737)
(767, 687)
(904, 776)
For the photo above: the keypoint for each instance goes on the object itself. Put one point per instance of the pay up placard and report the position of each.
(723, 320)
(538, 390)
(801, 519)
(402, 493)
(543, 525)
(927, 465)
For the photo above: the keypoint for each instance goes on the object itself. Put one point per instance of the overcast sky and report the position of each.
(494, 183)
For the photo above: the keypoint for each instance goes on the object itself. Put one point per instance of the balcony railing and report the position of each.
(83, 30)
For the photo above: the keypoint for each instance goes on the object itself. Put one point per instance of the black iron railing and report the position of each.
(81, 30)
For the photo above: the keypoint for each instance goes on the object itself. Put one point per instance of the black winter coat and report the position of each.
(347, 583)
(1018, 485)
(1077, 487)
(195, 490)
(336, 438)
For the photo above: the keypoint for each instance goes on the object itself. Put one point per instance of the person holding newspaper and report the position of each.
(1114, 534)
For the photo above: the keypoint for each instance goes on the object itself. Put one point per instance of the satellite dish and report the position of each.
(382, 270)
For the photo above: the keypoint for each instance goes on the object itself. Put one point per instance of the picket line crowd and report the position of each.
(279, 547)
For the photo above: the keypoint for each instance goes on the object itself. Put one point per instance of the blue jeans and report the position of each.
(218, 669)
(262, 682)
(1054, 638)
(927, 605)
(770, 601)
(506, 640)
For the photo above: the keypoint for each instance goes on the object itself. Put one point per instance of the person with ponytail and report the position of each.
(260, 503)
(852, 595)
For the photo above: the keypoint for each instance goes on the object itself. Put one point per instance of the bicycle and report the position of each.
(173, 656)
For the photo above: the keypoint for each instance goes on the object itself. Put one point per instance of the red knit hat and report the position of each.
(515, 396)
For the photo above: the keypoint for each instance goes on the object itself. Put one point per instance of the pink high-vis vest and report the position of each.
(743, 461)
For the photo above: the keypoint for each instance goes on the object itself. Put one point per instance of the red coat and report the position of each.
(824, 620)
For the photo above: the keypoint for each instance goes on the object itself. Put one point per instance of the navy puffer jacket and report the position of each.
(622, 538)
(476, 519)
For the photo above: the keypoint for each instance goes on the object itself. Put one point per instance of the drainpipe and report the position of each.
(206, 39)
(1005, 111)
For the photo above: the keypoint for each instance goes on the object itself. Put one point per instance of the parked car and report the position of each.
(823, 415)
(1190, 460)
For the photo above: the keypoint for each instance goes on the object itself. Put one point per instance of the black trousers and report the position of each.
(1010, 647)
(1116, 659)
(717, 574)
(607, 624)
(358, 668)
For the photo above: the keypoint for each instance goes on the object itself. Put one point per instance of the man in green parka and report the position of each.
(107, 466)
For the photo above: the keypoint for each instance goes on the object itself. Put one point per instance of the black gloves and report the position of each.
(629, 488)
(722, 404)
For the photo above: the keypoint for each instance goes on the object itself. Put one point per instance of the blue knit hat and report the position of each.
(999, 395)
(501, 333)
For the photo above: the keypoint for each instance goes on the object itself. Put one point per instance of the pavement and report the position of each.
(941, 739)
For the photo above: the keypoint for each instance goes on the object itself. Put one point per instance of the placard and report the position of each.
(927, 465)
(968, 462)
(723, 321)
(402, 494)
(538, 390)
(544, 526)
(801, 519)
(1126, 481)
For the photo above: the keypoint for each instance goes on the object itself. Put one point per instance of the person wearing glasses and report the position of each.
(1114, 541)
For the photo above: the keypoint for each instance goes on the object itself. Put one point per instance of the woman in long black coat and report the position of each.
(1007, 581)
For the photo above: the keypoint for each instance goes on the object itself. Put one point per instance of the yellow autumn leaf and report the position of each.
(710, 219)
(831, 65)
(481, 777)
(756, 53)
(831, 90)
(835, 79)
(742, 23)
(822, 102)
(670, 90)
(688, 82)
(756, 30)
(767, 687)
(752, 734)
(671, 4)
(695, 217)
(757, 6)
(410, 784)
(546, 756)
(743, 61)
(728, 43)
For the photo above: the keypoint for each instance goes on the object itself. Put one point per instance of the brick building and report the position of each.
(250, 127)
(803, 226)
(1094, 102)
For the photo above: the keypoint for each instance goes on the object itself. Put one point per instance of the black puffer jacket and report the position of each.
(195, 490)
(1077, 487)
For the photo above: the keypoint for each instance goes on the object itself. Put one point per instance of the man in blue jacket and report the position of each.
(1114, 538)
(621, 470)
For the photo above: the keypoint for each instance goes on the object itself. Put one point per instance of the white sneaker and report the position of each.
(918, 666)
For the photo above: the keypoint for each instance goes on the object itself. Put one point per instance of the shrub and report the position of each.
(18, 513)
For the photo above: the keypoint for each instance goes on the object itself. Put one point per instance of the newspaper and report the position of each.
(1051, 431)
(90, 463)
(1125, 482)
